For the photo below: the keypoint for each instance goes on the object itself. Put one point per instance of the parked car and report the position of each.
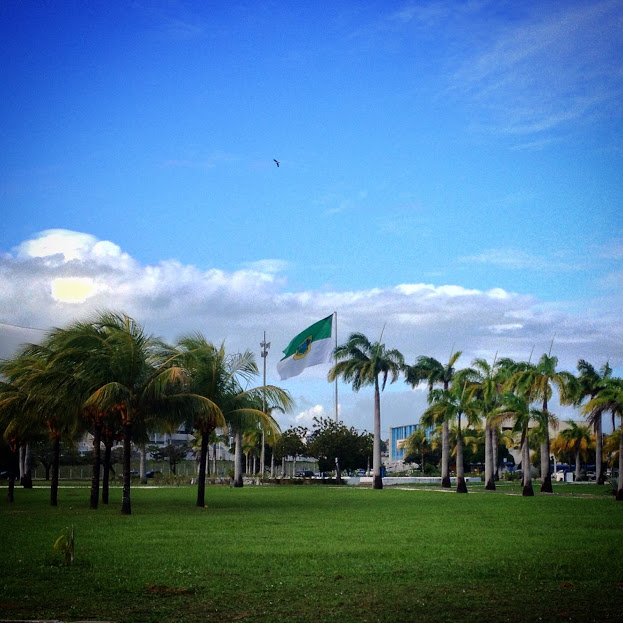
(152, 473)
(304, 473)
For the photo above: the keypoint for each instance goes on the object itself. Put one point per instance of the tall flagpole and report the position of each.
(335, 361)
(265, 346)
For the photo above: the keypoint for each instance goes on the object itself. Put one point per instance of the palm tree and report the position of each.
(208, 375)
(590, 383)
(417, 442)
(536, 382)
(361, 363)
(448, 405)
(242, 407)
(517, 408)
(130, 374)
(610, 398)
(486, 383)
(577, 439)
(435, 373)
(47, 399)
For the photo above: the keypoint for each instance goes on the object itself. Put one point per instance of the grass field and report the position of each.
(314, 553)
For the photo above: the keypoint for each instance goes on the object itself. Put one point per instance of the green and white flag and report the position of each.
(308, 348)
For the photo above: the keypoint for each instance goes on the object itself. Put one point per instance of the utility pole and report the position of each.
(264, 354)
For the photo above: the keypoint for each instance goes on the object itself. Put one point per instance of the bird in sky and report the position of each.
(276, 162)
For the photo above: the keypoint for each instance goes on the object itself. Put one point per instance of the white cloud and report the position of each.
(170, 299)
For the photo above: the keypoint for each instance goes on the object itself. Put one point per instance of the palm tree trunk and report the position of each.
(489, 481)
(599, 451)
(201, 480)
(461, 485)
(620, 487)
(13, 459)
(56, 453)
(126, 504)
(238, 459)
(142, 464)
(495, 451)
(95, 473)
(376, 454)
(546, 477)
(106, 474)
(26, 479)
(445, 455)
(526, 468)
(577, 465)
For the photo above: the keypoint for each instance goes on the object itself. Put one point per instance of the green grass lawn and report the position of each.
(314, 553)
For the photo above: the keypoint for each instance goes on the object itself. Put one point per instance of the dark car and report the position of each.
(304, 473)
(153, 472)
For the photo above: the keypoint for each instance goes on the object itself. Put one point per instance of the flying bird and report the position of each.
(276, 162)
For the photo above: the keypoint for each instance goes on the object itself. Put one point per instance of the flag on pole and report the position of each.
(308, 348)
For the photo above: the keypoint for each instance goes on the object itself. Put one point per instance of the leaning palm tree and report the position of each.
(590, 383)
(610, 398)
(435, 373)
(362, 363)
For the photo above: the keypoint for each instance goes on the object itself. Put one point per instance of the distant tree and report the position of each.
(291, 443)
(330, 440)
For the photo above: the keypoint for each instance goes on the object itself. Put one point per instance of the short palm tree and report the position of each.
(435, 373)
(578, 440)
(417, 443)
(364, 363)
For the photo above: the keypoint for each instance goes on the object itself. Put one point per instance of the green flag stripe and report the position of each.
(318, 331)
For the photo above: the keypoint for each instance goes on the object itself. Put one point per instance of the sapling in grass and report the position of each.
(66, 545)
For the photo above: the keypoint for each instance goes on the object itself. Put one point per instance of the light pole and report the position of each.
(264, 354)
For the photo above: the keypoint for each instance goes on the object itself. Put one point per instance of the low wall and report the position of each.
(404, 480)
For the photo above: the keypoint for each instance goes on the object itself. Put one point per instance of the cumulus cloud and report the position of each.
(170, 299)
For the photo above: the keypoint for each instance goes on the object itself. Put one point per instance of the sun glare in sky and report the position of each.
(72, 289)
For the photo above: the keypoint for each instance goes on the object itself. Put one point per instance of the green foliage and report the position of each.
(330, 440)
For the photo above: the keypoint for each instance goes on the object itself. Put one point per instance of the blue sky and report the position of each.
(453, 170)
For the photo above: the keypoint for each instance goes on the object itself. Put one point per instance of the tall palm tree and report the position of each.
(362, 363)
(450, 405)
(435, 373)
(590, 383)
(537, 382)
(517, 408)
(610, 398)
(486, 383)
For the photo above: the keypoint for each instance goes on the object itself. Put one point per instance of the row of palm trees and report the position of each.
(504, 390)
(110, 378)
